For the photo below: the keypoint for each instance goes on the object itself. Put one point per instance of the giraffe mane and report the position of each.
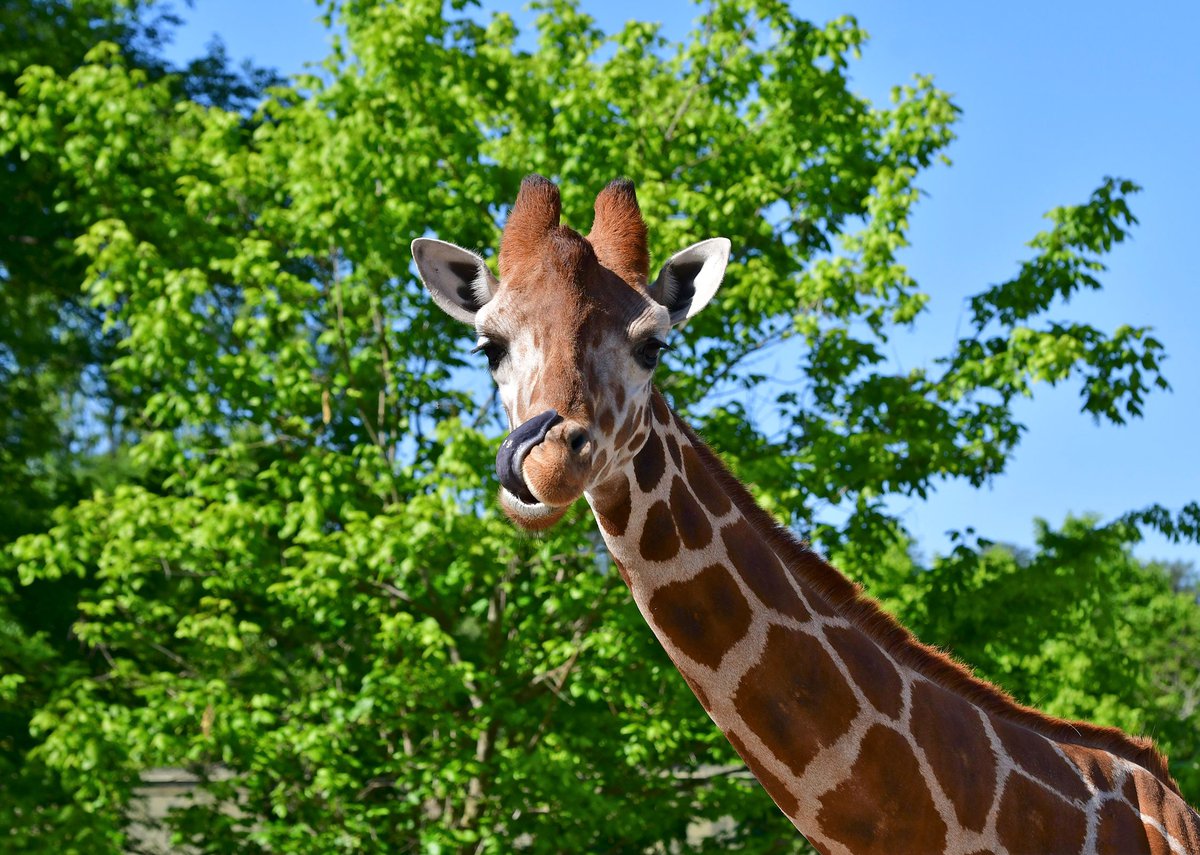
(849, 599)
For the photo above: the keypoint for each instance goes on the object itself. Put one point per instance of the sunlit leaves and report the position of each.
(303, 591)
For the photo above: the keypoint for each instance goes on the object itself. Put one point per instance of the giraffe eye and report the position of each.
(495, 351)
(648, 351)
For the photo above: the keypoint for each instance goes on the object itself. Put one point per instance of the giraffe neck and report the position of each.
(868, 741)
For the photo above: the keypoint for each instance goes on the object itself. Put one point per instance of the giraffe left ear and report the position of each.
(690, 278)
(458, 280)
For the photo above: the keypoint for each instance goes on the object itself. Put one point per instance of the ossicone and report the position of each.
(618, 232)
(535, 212)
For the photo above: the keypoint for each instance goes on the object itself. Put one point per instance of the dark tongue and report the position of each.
(514, 448)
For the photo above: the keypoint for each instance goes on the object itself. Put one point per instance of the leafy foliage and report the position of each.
(297, 584)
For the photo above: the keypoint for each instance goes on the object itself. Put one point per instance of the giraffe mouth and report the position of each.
(516, 447)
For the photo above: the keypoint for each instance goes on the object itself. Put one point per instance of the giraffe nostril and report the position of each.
(577, 437)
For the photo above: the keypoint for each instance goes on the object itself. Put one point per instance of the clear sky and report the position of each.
(1055, 97)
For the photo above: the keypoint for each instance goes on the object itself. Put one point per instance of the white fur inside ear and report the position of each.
(691, 277)
(458, 280)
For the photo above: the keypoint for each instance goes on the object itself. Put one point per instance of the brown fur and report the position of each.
(618, 242)
(848, 598)
(552, 273)
(534, 213)
(619, 233)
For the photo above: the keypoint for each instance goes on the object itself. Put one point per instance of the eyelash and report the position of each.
(648, 352)
(495, 351)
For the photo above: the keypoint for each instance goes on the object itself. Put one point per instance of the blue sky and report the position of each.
(1055, 96)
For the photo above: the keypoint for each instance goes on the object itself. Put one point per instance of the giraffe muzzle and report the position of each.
(516, 447)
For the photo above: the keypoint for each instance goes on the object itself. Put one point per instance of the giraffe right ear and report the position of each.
(458, 280)
(690, 278)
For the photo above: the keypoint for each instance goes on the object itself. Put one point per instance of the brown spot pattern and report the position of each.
(1032, 819)
(650, 463)
(623, 434)
(624, 573)
(869, 813)
(607, 422)
(958, 750)
(636, 442)
(704, 616)
(869, 669)
(775, 787)
(1181, 824)
(673, 448)
(1120, 829)
(697, 690)
(659, 540)
(1157, 801)
(1036, 755)
(1096, 765)
(662, 414)
(779, 698)
(816, 600)
(690, 520)
(1157, 844)
(707, 489)
(761, 569)
(614, 506)
(1129, 789)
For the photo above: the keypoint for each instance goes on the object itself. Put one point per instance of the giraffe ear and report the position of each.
(690, 278)
(458, 280)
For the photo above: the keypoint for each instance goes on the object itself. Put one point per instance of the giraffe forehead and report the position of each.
(559, 272)
(551, 315)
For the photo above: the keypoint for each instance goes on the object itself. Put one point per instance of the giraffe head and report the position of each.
(572, 331)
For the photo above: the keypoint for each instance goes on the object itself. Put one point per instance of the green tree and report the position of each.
(64, 427)
(307, 595)
(56, 405)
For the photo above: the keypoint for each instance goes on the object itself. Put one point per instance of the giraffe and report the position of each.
(868, 740)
